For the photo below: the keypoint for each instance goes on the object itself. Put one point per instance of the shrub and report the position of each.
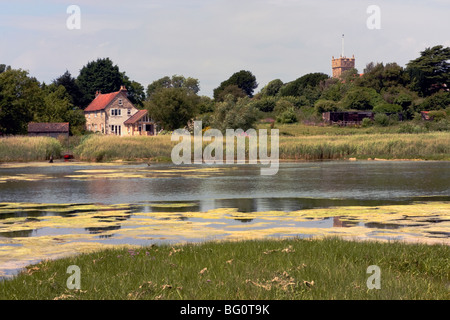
(287, 116)
(387, 108)
(323, 105)
(366, 122)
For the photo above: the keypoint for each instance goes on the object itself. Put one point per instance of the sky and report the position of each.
(211, 39)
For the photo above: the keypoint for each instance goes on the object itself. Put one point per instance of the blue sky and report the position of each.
(211, 39)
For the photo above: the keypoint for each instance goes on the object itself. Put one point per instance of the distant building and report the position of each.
(342, 64)
(49, 129)
(108, 112)
(345, 118)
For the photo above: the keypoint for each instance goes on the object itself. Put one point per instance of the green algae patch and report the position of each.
(30, 231)
(24, 177)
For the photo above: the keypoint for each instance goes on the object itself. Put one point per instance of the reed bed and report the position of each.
(23, 148)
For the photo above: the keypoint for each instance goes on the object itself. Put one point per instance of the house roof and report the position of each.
(136, 117)
(102, 100)
(48, 127)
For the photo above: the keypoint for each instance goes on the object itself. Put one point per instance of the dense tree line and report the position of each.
(422, 85)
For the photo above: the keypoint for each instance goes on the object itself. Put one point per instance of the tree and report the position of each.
(232, 114)
(190, 84)
(245, 80)
(272, 88)
(70, 84)
(4, 67)
(20, 99)
(431, 71)
(135, 91)
(172, 107)
(381, 77)
(59, 108)
(233, 90)
(297, 87)
(102, 75)
(360, 98)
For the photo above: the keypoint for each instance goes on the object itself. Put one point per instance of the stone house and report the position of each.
(140, 124)
(108, 112)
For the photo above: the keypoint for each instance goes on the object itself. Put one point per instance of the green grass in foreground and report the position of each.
(263, 269)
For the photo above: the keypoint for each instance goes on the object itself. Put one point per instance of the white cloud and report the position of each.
(212, 39)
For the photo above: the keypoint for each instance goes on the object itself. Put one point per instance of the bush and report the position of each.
(382, 119)
(323, 105)
(287, 116)
(387, 108)
(266, 104)
(366, 122)
(283, 105)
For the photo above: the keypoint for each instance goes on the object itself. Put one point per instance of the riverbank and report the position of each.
(357, 146)
(287, 269)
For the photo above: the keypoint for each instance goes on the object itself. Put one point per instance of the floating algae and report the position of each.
(73, 228)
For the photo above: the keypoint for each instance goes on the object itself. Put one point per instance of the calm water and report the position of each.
(296, 184)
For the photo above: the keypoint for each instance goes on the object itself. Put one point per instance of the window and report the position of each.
(129, 112)
(116, 112)
(120, 102)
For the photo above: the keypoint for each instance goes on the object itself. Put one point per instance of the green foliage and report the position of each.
(387, 108)
(430, 72)
(205, 105)
(379, 76)
(100, 75)
(360, 98)
(323, 105)
(245, 80)
(173, 107)
(70, 84)
(437, 101)
(283, 105)
(232, 90)
(384, 120)
(272, 88)
(20, 99)
(366, 122)
(231, 114)
(177, 81)
(305, 85)
(287, 116)
(266, 103)
(437, 115)
(59, 108)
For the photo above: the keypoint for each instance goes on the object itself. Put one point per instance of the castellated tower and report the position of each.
(342, 63)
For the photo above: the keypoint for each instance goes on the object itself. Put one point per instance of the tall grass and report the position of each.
(29, 148)
(264, 269)
(426, 146)
(297, 142)
(107, 148)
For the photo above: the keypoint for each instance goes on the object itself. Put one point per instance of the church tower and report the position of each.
(342, 63)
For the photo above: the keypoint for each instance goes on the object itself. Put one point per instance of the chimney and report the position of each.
(122, 88)
(97, 93)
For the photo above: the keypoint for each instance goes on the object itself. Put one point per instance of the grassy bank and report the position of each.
(29, 148)
(297, 142)
(264, 269)
(426, 146)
